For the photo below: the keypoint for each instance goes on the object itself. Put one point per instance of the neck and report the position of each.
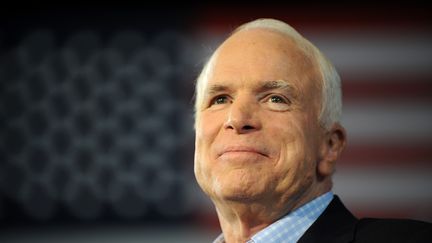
(241, 220)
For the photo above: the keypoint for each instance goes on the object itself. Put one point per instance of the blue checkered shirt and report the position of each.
(293, 225)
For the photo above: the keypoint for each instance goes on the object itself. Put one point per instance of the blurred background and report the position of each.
(96, 121)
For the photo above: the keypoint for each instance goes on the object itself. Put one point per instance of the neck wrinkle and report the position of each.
(240, 228)
(239, 221)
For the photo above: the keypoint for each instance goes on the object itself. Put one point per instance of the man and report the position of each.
(268, 105)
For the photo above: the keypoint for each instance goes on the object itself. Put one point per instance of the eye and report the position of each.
(219, 100)
(277, 102)
(276, 99)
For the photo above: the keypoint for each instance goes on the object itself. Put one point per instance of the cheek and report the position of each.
(205, 133)
(288, 137)
(201, 156)
(295, 165)
(206, 130)
(202, 166)
(295, 173)
(208, 125)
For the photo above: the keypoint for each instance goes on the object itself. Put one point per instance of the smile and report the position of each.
(241, 150)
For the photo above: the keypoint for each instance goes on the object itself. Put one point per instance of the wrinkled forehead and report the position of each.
(264, 39)
(263, 54)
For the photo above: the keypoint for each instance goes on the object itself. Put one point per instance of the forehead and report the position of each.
(256, 55)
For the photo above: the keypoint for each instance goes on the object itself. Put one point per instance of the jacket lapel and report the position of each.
(336, 224)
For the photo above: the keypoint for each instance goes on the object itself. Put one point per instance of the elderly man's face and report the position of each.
(257, 131)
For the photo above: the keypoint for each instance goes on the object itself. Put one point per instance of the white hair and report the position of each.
(331, 104)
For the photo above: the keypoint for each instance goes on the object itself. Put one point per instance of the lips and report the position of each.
(241, 149)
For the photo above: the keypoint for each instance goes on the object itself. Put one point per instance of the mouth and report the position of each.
(242, 150)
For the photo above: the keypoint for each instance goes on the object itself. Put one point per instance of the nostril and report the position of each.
(248, 127)
(229, 127)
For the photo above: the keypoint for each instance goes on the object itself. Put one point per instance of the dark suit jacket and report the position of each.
(337, 225)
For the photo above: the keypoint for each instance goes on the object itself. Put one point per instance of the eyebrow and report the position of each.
(216, 88)
(276, 84)
(266, 86)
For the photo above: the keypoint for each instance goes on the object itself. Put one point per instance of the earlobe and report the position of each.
(333, 144)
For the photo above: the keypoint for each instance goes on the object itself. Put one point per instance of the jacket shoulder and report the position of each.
(393, 230)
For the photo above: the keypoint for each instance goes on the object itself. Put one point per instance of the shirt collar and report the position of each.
(293, 225)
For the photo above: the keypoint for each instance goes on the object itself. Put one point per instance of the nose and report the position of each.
(243, 116)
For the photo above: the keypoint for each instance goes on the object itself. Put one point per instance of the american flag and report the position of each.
(384, 56)
(82, 141)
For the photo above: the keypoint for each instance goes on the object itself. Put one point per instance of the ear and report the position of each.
(333, 143)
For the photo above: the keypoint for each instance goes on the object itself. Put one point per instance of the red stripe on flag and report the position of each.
(222, 18)
(409, 155)
(419, 88)
(415, 211)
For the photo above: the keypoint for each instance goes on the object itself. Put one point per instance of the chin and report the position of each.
(241, 197)
(240, 191)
